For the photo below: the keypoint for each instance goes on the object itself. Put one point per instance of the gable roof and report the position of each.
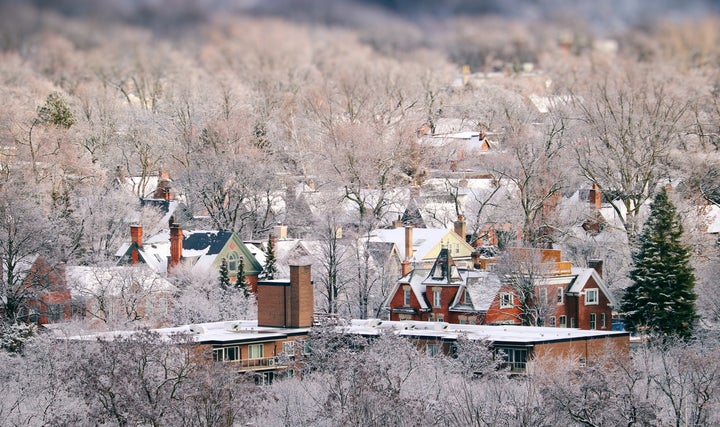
(426, 241)
(583, 275)
(483, 287)
(200, 250)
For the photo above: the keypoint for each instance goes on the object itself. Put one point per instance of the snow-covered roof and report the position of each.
(82, 280)
(424, 239)
(226, 332)
(200, 248)
(505, 334)
(584, 274)
(483, 287)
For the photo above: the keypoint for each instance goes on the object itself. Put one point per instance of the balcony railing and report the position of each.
(256, 364)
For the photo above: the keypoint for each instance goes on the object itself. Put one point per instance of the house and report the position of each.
(104, 294)
(520, 349)
(462, 293)
(267, 346)
(199, 250)
(48, 298)
(420, 247)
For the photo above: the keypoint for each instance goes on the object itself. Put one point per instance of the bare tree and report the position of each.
(626, 122)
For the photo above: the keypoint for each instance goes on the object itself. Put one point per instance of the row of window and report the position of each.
(256, 351)
(507, 299)
(229, 354)
(553, 321)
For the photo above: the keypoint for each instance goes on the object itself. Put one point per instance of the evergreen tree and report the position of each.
(661, 299)
(270, 268)
(224, 275)
(241, 284)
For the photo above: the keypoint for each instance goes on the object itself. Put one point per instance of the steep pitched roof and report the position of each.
(200, 249)
(583, 275)
(483, 287)
(425, 240)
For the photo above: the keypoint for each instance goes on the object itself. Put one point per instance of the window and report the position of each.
(593, 321)
(563, 321)
(462, 320)
(233, 262)
(602, 321)
(226, 354)
(406, 296)
(440, 317)
(560, 295)
(572, 322)
(289, 348)
(506, 300)
(457, 248)
(513, 358)
(255, 351)
(437, 298)
(591, 297)
(552, 321)
(466, 297)
(431, 317)
(433, 349)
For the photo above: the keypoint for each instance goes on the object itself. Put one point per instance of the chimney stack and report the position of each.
(287, 304)
(406, 267)
(408, 242)
(596, 264)
(136, 237)
(595, 197)
(397, 223)
(460, 227)
(176, 238)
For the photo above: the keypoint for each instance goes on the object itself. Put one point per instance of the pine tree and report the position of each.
(270, 268)
(241, 284)
(661, 299)
(224, 275)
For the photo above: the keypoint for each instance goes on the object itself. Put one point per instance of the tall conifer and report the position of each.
(661, 299)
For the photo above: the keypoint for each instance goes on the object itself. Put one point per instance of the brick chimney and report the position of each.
(595, 197)
(460, 227)
(408, 242)
(136, 237)
(287, 304)
(597, 264)
(176, 238)
(397, 223)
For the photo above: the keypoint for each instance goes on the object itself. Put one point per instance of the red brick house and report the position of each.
(569, 296)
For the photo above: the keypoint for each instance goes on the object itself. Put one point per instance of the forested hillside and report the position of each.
(242, 103)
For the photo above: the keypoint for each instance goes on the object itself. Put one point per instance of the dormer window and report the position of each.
(466, 297)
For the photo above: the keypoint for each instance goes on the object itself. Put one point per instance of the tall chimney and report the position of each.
(397, 223)
(595, 197)
(176, 238)
(460, 227)
(280, 231)
(136, 236)
(597, 264)
(287, 304)
(408, 242)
